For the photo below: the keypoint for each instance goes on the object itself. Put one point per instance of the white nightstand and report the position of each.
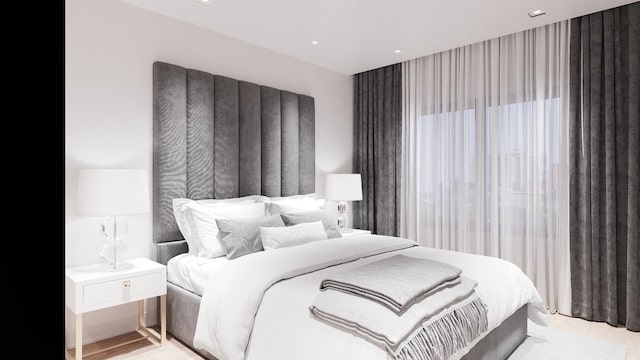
(94, 287)
(355, 232)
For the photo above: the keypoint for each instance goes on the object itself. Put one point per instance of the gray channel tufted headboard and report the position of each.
(217, 137)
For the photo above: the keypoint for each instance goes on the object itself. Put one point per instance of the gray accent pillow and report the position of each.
(329, 221)
(241, 237)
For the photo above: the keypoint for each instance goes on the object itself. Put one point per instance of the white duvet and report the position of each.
(192, 272)
(256, 307)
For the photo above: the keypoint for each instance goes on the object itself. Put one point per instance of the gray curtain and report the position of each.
(377, 130)
(604, 162)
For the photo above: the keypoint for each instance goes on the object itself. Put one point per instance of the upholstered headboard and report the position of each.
(217, 137)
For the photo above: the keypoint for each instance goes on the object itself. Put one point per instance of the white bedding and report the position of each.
(191, 272)
(236, 318)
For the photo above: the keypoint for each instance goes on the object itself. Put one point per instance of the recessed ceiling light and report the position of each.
(535, 13)
(314, 42)
(205, 2)
(397, 52)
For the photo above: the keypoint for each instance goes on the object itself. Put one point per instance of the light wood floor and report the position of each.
(175, 350)
(599, 330)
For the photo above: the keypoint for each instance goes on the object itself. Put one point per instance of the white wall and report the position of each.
(109, 51)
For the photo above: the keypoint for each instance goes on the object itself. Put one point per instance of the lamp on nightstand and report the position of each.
(113, 193)
(343, 188)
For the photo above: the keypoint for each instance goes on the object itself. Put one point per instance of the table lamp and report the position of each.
(113, 193)
(343, 188)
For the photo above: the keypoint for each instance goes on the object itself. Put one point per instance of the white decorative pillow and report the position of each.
(328, 219)
(203, 227)
(181, 220)
(295, 206)
(279, 237)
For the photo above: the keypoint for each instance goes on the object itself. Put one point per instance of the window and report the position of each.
(494, 175)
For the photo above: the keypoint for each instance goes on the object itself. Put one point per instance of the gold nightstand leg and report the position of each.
(141, 322)
(78, 336)
(163, 318)
(151, 334)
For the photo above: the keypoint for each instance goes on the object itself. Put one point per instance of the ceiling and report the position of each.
(359, 35)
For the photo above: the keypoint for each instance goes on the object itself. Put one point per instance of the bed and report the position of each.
(216, 137)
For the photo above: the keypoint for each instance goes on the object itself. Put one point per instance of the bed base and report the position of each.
(503, 340)
(183, 307)
(182, 314)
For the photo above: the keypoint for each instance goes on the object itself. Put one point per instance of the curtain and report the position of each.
(604, 162)
(377, 126)
(485, 154)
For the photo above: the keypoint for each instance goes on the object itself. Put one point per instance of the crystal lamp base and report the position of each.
(114, 229)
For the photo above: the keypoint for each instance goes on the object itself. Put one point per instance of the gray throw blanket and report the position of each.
(434, 327)
(396, 282)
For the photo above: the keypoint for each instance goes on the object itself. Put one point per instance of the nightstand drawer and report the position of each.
(123, 290)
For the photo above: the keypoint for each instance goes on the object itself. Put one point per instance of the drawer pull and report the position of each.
(126, 283)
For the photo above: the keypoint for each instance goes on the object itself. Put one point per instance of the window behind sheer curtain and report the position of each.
(518, 198)
(491, 153)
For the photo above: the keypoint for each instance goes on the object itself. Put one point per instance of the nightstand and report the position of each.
(94, 287)
(355, 232)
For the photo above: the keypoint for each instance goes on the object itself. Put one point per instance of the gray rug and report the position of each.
(546, 343)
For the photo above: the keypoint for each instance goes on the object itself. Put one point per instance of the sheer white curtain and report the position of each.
(485, 154)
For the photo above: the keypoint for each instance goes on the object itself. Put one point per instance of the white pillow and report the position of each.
(203, 227)
(279, 237)
(183, 225)
(239, 200)
(292, 197)
(295, 206)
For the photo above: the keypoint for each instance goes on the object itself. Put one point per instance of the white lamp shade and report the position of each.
(113, 192)
(343, 187)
